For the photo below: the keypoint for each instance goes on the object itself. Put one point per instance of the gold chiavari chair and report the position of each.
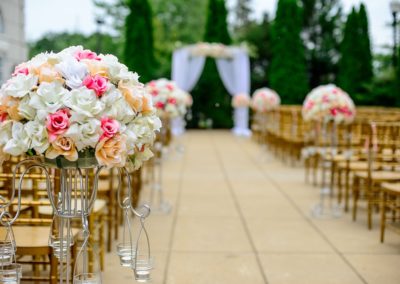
(390, 205)
(383, 145)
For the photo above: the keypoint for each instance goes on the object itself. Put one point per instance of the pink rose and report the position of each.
(57, 123)
(152, 84)
(21, 69)
(110, 127)
(170, 87)
(96, 83)
(172, 101)
(159, 105)
(86, 54)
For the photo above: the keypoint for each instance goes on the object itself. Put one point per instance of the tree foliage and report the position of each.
(287, 71)
(322, 22)
(139, 46)
(355, 65)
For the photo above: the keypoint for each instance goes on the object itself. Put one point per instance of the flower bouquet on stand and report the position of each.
(76, 112)
(263, 101)
(326, 105)
(171, 105)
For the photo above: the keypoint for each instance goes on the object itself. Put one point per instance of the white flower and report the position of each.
(83, 103)
(73, 71)
(141, 131)
(19, 142)
(120, 111)
(70, 51)
(25, 109)
(117, 70)
(111, 96)
(20, 85)
(48, 98)
(37, 135)
(5, 131)
(86, 134)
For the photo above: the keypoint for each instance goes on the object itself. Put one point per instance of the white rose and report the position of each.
(117, 70)
(86, 134)
(19, 142)
(20, 85)
(70, 51)
(83, 103)
(48, 98)
(73, 71)
(37, 135)
(5, 131)
(111, 96)
(120, 111)
(25, 109)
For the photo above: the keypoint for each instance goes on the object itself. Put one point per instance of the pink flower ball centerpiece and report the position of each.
(169, 100)
(241, 100)
(328, 103)
(264, 100)
(74, 104)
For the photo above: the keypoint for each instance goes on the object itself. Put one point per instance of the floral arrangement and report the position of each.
(168, 98)
(328, 103)
(215, 50)
(264, 100)
(241, 100)
(76, 103)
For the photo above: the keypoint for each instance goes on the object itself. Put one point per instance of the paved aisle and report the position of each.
(243, 217)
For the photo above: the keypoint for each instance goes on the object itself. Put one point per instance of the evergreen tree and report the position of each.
(355, 65)
(211, 100)
(365, 55)
(288, 74)
(322, 25)
(138, 52)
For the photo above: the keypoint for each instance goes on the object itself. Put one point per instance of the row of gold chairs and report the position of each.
(362, 159)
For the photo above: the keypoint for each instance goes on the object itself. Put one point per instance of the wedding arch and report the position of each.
(233, 66)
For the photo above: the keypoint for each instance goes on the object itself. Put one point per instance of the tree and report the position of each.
(321, 33)
(138, 52)
(287, 70)
(365, 55)
(355, 65)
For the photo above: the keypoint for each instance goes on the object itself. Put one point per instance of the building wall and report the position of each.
(13, 48)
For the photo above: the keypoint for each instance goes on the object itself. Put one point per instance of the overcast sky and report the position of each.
(78, 16)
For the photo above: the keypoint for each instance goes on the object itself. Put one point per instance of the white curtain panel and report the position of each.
(235, 74)
(186, 69)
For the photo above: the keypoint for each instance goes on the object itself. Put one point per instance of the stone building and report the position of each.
(13, 48)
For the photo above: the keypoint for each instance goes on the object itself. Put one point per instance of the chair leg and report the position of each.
(370, 197)
(53, 269)
(346, 190)
(101, 242)
(356, 192)
(383, 216)
(339, 185)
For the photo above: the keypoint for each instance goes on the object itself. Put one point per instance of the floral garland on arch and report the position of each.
(74, 103)
(328, 103)
(214, 50)
(169, 100)
(264, 100)
(241, 100)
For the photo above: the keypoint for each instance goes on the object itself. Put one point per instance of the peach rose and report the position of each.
(111, 152)
(96, 68)
(147, 104)
(47, 73)
(134, 101)
(9, 105)
(62, 146)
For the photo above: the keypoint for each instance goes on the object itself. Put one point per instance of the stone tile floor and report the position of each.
(241, 216)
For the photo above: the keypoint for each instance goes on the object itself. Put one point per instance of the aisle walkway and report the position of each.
(243, 217)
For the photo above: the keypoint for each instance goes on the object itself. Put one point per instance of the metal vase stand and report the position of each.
(72, 198)
(157, 201)
(326, 207)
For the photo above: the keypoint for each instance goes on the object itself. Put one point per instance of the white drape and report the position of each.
(186, 69)
(235, 74)
(178, 125)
